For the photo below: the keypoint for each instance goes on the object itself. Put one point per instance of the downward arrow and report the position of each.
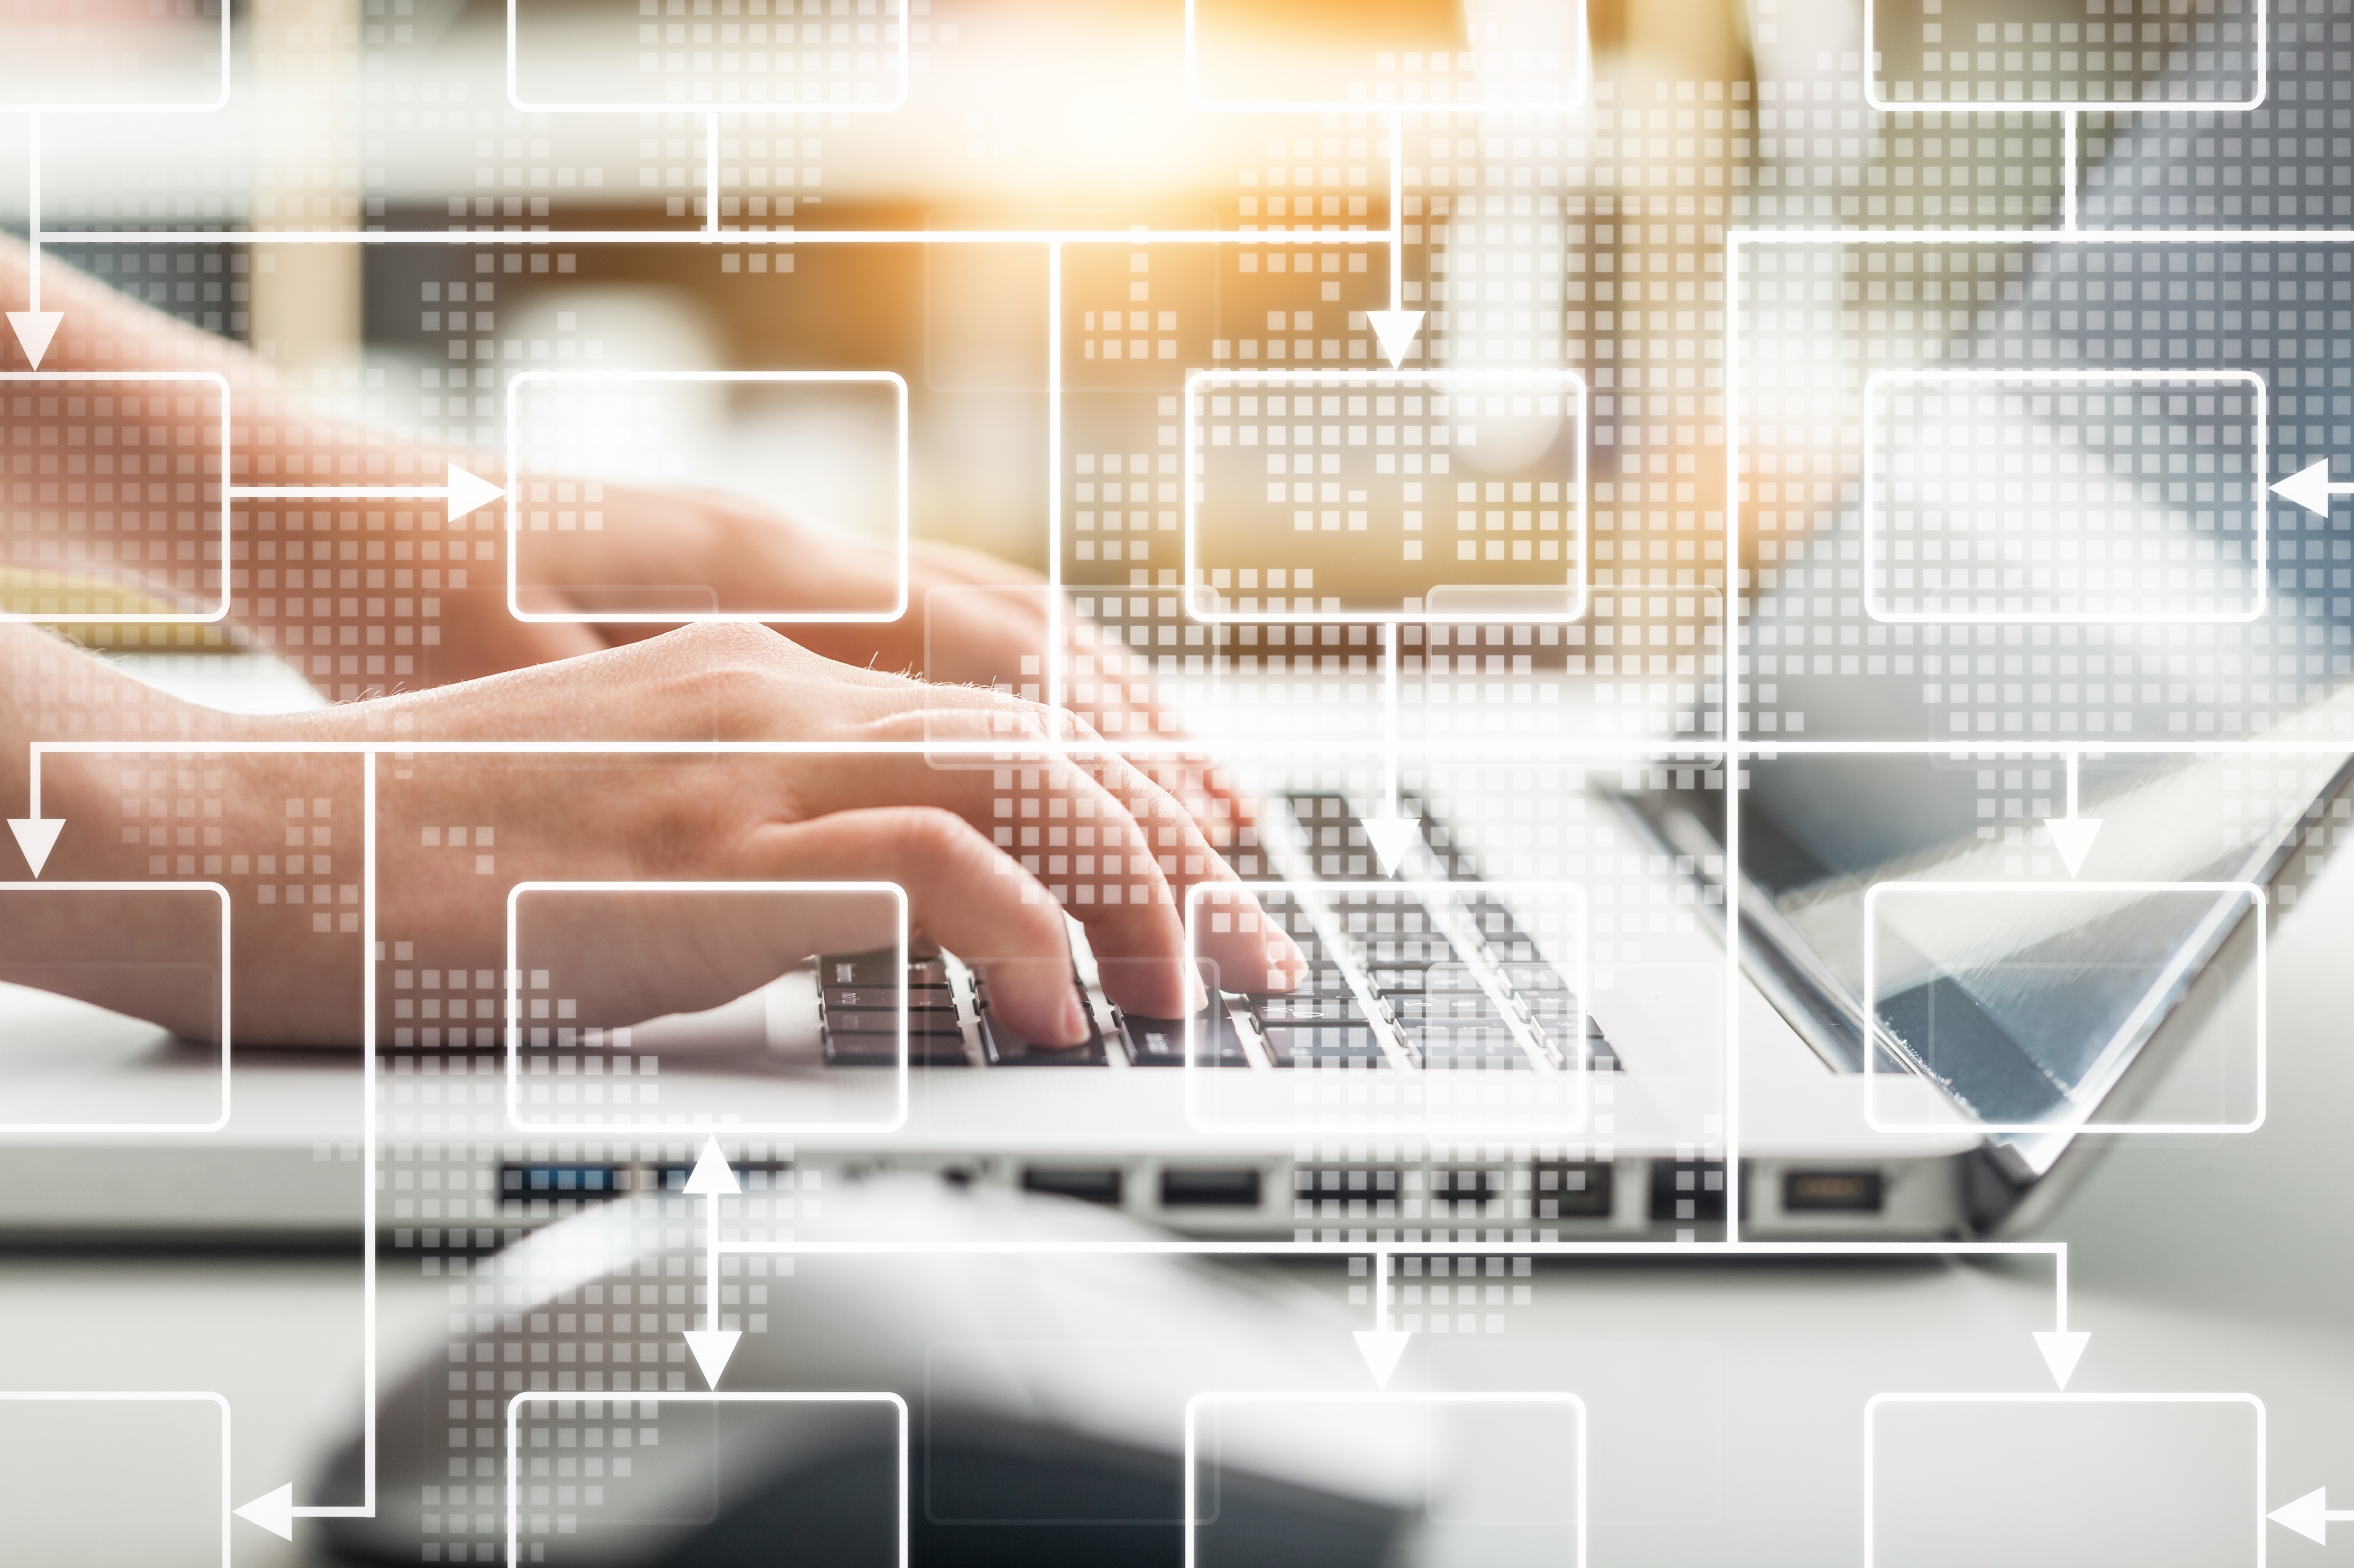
(712, 1347)
(2309, 1515)
(37, 836)
(274, 1511)
(2062, 1349)
(1381, 1348)
(33, 331)
(2073, 837)
(1391, 838)
(1395, 330)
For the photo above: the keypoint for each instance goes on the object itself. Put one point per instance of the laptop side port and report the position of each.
(1206, 1187)
(1683, 1190)
(1088, 1186)
(1833, 1193)
(1574, 1188)
(544, 1180)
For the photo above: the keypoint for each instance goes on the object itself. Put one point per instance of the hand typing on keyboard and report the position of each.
(842, 814)
(801, 817)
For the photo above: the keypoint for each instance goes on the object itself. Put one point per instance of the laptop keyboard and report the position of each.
(1392, 983)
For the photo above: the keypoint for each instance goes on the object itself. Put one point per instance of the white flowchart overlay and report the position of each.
(1960, 542)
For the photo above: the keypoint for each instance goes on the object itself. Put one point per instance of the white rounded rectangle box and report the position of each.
(1325, 496)
(562, 1036)
(2056, 1480)
(2061, 497)
(116, 56)
(2000, 55)
(2071, 978)
(617, 1520)
(52, 1443)
(846, 434)
(1475, 1476)
(64, 543)
(83, 1059)
(763, 56)
(1248, 56)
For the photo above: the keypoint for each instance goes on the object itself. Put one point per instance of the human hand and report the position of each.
(815, 814)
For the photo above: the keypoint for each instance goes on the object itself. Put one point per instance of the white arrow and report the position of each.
(463, 491)
(714, 1179)
(1381, 1348)
(1391, 838)
(712, 1174)
(2309, 1515)
(35, 328)
(1394, 835)
(712, 1348)
(2062, 1352)
(37, 836)
(274, 1511)
(1394, 328)
(1382, 1345)
(2072, 835)
(2310, 488)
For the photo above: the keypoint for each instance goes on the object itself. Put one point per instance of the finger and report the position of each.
(1129, 850)
(962, 894)
(1251, 953)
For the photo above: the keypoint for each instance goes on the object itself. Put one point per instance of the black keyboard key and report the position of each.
(880, 1048)
(1161, 1042)
(880, 969)
(920, 998)
(1006, 1049)
(1323, 1046)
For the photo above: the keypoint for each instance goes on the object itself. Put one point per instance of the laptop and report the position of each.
(1534, 1056)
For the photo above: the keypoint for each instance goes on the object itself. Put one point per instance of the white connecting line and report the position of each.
(2060, 1346)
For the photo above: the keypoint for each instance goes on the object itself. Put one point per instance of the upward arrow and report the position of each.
(711, 1173)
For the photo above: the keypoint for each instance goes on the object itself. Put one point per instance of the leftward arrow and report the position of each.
(274, 1511)
(2310, 1515)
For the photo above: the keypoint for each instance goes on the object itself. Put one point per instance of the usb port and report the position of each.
(1209, 1189)
(1832, 1191)
(1086, 1186)
(1572, 1189)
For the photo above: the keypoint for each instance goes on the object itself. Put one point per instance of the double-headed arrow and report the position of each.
(712, 1345)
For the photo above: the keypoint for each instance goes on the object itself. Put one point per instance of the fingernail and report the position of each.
(1075, 1020)
(1284, 959)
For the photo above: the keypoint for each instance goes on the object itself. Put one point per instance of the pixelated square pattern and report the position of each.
(1998, 54)
(804, 56)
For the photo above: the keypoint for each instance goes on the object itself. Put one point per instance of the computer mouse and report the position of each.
(1046, 1394)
